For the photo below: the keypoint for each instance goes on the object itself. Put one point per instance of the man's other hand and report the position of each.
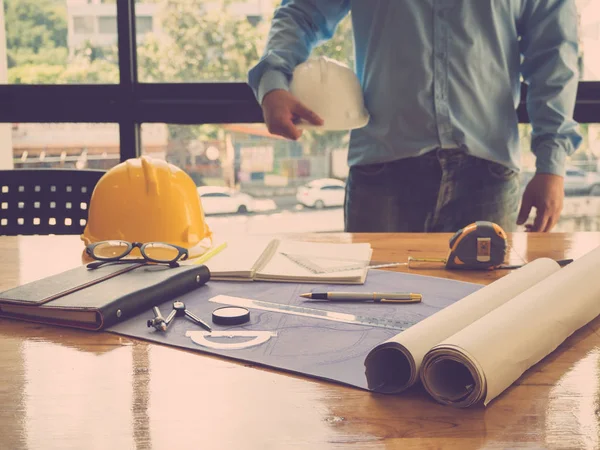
(282, 111)
(545, 192)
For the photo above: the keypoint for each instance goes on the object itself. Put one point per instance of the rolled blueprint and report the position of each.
(486, 357)
(394, 365)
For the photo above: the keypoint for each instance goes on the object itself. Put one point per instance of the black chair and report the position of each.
(45, 201)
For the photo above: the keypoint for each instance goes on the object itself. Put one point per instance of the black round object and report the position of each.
(230, 315)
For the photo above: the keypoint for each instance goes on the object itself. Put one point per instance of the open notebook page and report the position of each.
(317, 262)
(239, 259)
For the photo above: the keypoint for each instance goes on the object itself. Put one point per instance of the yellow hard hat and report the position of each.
(148, 200)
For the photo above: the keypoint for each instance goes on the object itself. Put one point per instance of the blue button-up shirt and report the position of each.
(444, 73)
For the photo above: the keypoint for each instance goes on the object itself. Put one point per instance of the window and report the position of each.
(246, 175)
(107, 25)
(143, 24)
(59, 42)
(213, 41)
(175, 89)
(83, 24)
(574, 173)
(589, 25)
(581, 210)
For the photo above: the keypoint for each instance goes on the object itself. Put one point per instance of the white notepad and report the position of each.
(294, 261)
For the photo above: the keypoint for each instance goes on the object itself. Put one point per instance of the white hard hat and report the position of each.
(332, 90)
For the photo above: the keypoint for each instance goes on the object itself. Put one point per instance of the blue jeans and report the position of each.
(441, 191)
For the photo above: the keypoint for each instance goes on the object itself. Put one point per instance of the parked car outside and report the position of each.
(223, 200)
(323, 192)
(577, 182)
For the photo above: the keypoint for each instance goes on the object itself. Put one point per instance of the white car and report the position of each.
(223, 200)
(321, 193)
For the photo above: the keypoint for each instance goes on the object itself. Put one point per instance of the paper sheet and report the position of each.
(238, 259)
(326, 255)
(394, 365)
(261, 259)
(487, 356)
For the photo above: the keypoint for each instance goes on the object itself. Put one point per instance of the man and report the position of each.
(441, 81)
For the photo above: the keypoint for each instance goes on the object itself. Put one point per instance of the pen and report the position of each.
(379, 297)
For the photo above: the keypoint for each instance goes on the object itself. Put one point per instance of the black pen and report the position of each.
(378, 297)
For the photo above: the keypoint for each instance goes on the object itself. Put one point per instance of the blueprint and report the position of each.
(309, 346)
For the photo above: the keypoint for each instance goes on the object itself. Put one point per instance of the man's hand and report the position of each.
(282, 110)
(545, 192)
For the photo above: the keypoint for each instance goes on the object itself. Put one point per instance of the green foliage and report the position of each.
(79, 71)
(36, 32)
(199, 45)
(35, 74)
(23, 56)
(90, 72)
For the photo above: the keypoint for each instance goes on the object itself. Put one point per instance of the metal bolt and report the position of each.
(119, 313)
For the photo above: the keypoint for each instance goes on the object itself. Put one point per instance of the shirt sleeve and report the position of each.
(550, 68)
(297, 27)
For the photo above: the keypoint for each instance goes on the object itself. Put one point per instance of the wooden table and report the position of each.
(69, 389)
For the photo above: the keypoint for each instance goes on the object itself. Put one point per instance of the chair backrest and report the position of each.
(45, 201)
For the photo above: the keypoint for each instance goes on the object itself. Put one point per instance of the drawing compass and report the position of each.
(179, 310)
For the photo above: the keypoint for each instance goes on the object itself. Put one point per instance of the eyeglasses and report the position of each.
(156, 252)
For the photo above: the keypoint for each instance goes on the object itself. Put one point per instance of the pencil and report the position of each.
(209, 254)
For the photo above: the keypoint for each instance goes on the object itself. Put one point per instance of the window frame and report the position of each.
(131, 103)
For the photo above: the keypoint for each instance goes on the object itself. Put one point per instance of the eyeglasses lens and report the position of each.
(161, 252)
(110, 249)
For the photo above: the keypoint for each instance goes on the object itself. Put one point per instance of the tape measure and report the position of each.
(481, 245)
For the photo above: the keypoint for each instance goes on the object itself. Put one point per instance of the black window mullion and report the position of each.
(60, 103)
(191, 103)
(197, 103)
(587, 104)
(129, 126)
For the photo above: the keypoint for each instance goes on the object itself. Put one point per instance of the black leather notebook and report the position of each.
(98, 298)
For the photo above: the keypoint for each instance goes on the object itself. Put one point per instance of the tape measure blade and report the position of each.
(309, 312)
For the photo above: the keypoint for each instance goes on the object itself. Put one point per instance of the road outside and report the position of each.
(579, 214)
(288, 217)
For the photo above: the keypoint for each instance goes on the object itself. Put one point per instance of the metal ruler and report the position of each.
(310, 312)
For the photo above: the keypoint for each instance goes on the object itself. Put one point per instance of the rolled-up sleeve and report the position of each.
(297, 27)
(549, 45)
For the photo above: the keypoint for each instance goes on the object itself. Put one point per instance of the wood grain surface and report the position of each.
(69, 389)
